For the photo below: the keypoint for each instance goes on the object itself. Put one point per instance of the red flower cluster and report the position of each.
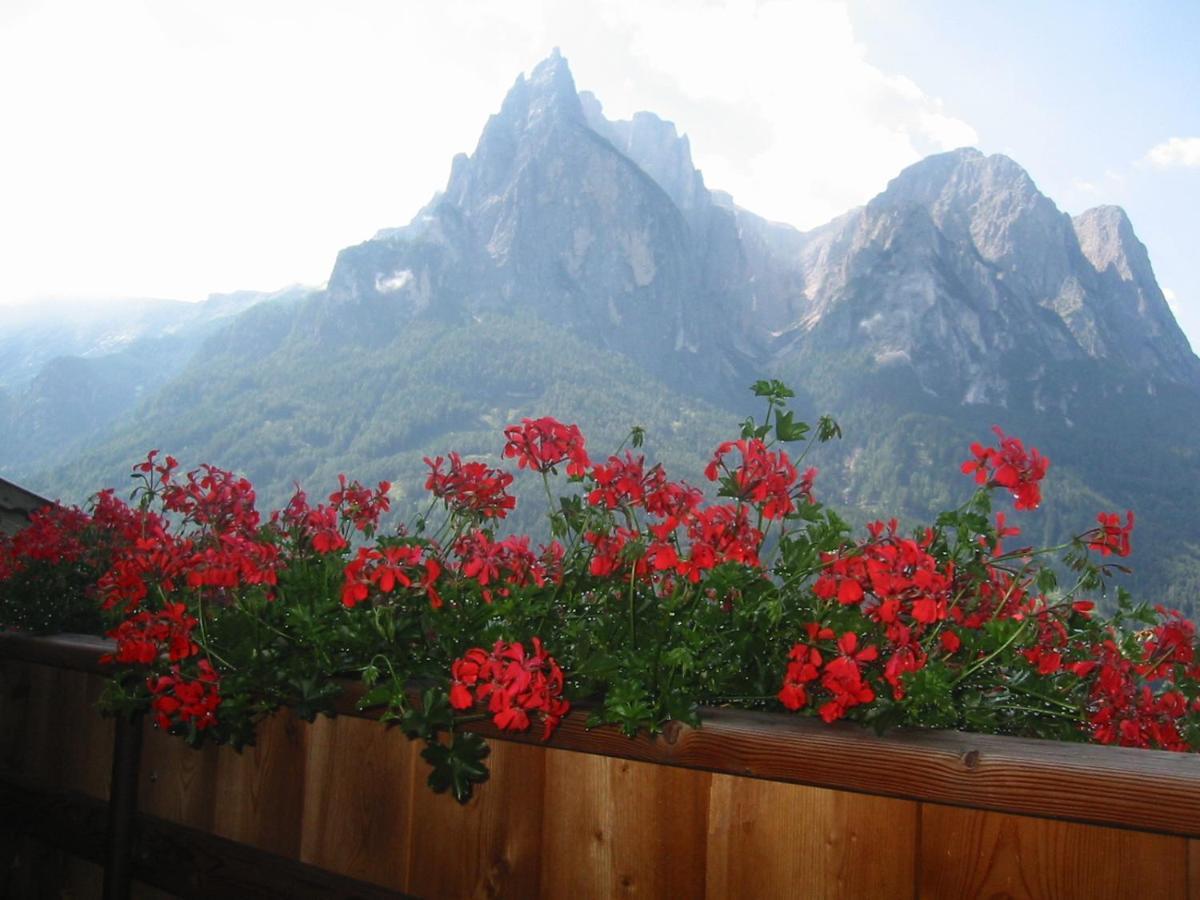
(359, 504)
(178, 700)
(1112, 537)
(231, 560)
(764, 477)
(144, 555)
(840, 679)
(54, 534)
(317, 525)
(470, 487)
(542, 444)
(512, 683)
(211, 498)
(624, 482)
(896, 579)
(1125, 710)
(146, 637)
(388, 567)
(1011, 467)
(714, 536)
(223, 551)
(500, 566)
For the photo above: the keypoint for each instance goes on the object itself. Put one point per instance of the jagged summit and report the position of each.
(1106, 238)
(608, 235)
(656, 146)
(549, 91)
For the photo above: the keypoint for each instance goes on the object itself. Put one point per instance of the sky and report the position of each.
(177, 149)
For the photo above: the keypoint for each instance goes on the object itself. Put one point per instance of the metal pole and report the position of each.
(122, 807)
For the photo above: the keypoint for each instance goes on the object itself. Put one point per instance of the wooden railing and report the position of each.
(750, 804)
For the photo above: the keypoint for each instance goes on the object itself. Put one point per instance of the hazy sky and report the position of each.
(174, 148)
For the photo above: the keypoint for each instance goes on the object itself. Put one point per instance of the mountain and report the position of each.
(69, 370)
(581, 267)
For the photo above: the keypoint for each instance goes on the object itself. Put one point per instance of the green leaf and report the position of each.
(459, 766)
(828, 429)
(786, 429)
(377, 696)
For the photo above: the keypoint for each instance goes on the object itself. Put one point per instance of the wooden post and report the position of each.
(122, 807)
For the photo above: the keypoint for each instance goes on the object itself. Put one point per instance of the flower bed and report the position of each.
(650, 602)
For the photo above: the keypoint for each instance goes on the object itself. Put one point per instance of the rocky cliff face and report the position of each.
(965, 273)
(548, 216)
(1140, 329)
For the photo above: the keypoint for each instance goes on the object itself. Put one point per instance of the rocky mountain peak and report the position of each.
(1107, 240)
(533, 109)
(550, 91)
(656, 146)
(989, 200)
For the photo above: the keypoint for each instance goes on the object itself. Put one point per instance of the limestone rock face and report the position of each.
(964, 272)
(608, 233)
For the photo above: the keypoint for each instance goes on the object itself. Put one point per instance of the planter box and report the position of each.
(751, 804)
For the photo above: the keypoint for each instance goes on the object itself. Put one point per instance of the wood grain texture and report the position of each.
(86, 760)
(971, 853)
(178, 782)
(1149, 790)
(616, 828)
(358, 787)
(77, 652)
(1193, 870)
(782, 841)
(260, 791)
(174, 859)
(493, 843)
(49, 727)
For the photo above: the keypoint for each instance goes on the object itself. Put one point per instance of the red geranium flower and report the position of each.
(1011, 467)
(542, 444)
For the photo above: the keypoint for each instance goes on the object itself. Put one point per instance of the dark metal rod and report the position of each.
(122, 807)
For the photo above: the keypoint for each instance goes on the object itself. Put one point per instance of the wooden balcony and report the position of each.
(749, 805)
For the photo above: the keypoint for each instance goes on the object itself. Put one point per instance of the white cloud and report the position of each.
(1176, 151)
(1172, 299)
(175, 149)
(783, 107)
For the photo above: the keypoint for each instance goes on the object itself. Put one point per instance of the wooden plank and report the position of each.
(86, 761)
(1147, 790)
(489, 847)
(260, 791)
(175, 859)
(178, 782)
(358, 783)
(40, 753)
(1193, 870)
(616, 828)
(49, 727)
(15, 707)
(971, 853)
(785, 841)
(79, 652)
